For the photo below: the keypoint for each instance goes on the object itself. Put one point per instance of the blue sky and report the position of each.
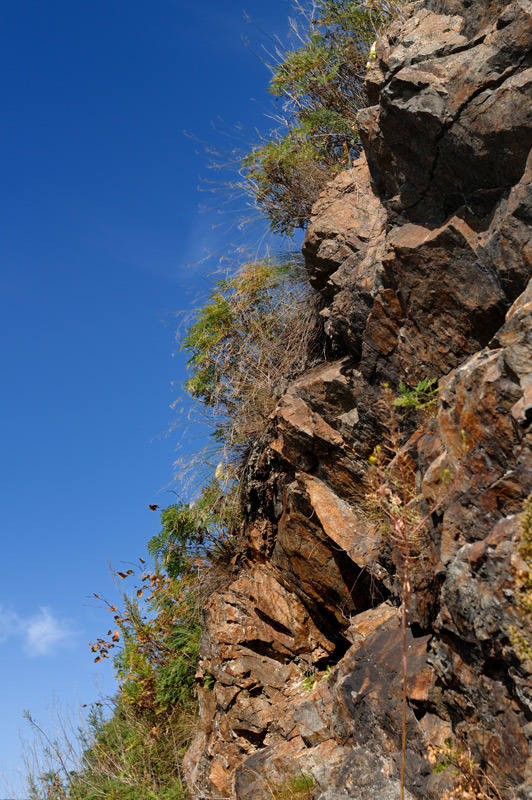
(99, 232)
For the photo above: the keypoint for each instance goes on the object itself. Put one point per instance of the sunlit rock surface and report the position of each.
(423, 255)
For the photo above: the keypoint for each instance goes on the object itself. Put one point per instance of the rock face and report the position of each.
(423, 255)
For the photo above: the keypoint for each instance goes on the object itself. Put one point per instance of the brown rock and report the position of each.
(451, 130)
(346, 221)
(423, 256)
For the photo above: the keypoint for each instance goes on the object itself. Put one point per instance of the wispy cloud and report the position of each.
(9, 624)
(41, 633)
(44, 633)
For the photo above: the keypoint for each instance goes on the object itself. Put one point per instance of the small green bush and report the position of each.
(208, 682)
(137, 749)
(199, 529)
(257, 330)
(320, 87)
(421, 397)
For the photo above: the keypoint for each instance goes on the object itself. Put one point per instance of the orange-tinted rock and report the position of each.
(347, 221)
(423, 256)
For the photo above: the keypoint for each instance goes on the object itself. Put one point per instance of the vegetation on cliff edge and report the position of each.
(256, 331)
(319, 85)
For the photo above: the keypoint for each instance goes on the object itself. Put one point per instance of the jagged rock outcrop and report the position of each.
(423, 255)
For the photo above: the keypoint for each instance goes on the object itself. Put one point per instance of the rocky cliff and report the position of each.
(422, 254)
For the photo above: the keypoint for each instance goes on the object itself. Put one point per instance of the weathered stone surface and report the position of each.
(451, 130)
(342, 249)
(423, 256)
(441, 301)
(328, 424)
(347, 226)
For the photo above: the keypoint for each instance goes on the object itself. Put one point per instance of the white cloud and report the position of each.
(9, 624)
(42, 633)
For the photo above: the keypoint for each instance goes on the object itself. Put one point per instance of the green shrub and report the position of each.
(421, 397)
(320, 87)
(136, 750)
(257, 330)
(197, 529)
(525, 551)
(208, 681)
(175, 680)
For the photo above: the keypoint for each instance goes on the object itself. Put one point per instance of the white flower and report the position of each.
(372, 55)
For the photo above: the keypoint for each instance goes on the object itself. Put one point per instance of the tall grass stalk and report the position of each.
(394, 494)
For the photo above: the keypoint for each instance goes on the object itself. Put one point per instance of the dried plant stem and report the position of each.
(405, 677)
(394, 492)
